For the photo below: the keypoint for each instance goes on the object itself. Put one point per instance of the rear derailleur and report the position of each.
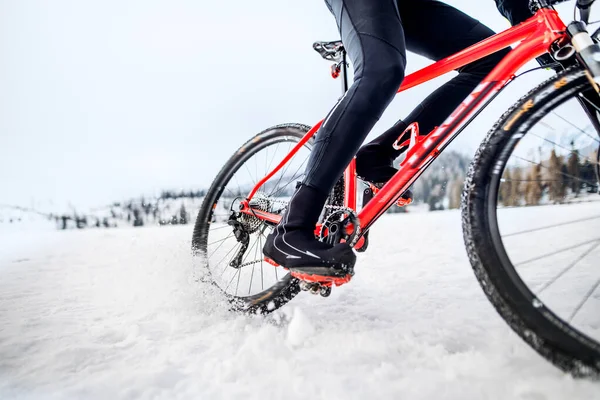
(242, 236)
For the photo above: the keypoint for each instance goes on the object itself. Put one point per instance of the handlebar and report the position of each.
(584, 6)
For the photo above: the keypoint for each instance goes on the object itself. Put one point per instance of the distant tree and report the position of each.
(588, 175)
(455, 193)
(137, 217)
(435, 198)
(573, 170)
(105, 223)
(183, 218)
(533, 192)
(555, 179)
(147, 209)
(516, 193)
(80, 222)
(506, 188)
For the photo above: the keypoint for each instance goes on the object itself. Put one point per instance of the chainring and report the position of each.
(333, 228)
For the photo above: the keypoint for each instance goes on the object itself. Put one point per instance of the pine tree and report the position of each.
(555, 178)
(183, 219)
(573, 170)
(565, 181)
(533, 193)
(506, 188)
(455, 193)
(515, 190)
(137, 218)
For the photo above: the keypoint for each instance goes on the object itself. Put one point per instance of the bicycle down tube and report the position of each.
(535, 36)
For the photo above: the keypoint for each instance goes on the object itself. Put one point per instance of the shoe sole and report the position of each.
(322, 280)
(323, 275)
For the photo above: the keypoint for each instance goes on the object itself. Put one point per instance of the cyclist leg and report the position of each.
(373, 37)
(435, 30)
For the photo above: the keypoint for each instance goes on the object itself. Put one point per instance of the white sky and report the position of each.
(111, 99)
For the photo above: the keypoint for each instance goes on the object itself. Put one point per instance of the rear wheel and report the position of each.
(227, 244)
(531, 221)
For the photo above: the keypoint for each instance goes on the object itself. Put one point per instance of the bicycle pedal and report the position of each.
(403, 201)
(316, 288)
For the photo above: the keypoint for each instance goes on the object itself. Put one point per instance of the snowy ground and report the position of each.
(114, 314)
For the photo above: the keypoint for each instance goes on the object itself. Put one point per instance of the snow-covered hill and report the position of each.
(115, 314)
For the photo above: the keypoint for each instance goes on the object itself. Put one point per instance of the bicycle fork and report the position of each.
(588, 52)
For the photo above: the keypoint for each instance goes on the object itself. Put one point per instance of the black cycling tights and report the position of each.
(376, 34)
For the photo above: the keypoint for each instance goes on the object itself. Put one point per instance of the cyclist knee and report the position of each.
(395, 74)
(388, 75)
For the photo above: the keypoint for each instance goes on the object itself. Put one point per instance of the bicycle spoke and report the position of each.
(271, 163)
(251, 278)
(234, 275)
(556, 252)
(291, 180)
(232, 194)
(551, 226)
(213, 253)
(592, 161)
(220, 240)
(218, 227)
(238, 183)
(236, 247)
(248, 251)
(238, 281)
(256, 168)
(266, 160)
(576, 127)
(283, 173)
(585, 299)
(569, 267)
(261, 258)
(250, 173)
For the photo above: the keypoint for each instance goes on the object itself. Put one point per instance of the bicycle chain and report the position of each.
(249, 263)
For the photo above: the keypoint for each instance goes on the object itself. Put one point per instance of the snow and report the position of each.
(117, 314)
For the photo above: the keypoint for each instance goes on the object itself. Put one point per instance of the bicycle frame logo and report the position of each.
(534, 37)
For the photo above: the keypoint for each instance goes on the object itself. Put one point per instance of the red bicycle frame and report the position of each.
(535, 36)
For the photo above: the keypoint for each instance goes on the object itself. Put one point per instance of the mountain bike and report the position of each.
(518, 196)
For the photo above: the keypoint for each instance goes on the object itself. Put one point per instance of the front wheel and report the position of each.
(531, 221)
